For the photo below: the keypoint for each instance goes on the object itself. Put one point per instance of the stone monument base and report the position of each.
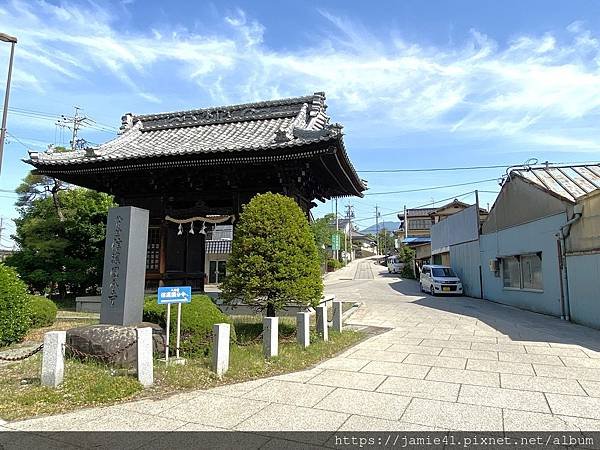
(106, 342)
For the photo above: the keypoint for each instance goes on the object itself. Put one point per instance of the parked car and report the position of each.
(394, 265)
(439, 280)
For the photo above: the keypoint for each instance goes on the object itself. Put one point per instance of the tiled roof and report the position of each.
(272, 124)
(420, 212)
(220, 246)
(417, 212)
(567, 182)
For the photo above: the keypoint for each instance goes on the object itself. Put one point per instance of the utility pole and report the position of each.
(74, 124)
(1, 228)
(405, 223)
(337, 228)
(376, 229)
(12, 40)
(350, 216)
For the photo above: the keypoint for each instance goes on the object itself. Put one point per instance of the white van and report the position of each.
(440, 280)
(394, 264)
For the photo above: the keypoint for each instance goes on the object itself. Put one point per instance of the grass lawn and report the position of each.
(90, 384)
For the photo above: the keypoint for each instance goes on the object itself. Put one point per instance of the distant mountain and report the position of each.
(389, 226)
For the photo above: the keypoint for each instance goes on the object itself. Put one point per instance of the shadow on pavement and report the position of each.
(518, 324)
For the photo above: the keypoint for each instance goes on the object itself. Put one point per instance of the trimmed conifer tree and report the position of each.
(274, 260)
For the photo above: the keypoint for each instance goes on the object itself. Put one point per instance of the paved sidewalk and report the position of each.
(446, 364)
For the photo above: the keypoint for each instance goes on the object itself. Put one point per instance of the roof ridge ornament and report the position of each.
(126, 123)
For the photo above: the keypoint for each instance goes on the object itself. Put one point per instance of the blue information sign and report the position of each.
(174, 294)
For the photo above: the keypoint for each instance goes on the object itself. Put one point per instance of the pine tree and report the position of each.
(274, 260)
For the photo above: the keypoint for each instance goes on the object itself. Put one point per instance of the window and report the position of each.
(523, 272)
(419, 224)
(443, 272)
(511, 275)
(531, 271)
(153, 249)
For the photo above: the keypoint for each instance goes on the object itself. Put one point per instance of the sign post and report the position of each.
(167, 296)
(335, 242)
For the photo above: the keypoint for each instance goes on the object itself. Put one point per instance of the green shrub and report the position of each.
(14, 307)
(334, 264)
(43, 311)
(197, 320)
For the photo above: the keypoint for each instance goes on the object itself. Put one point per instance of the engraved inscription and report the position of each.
(115, 260)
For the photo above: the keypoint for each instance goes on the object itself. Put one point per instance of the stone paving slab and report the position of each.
(532, 421)
(372, 404)
(436, 361)
(351, 380)
(500, 366)
(362, 423)
(378, 355)
(540, 384)
(470, 354)
(478, 378)
(201, 409)
(592, 388)
(423, 350)
(290, 393)
(396, 369)
(453, 416)
(277, 417)
(572, 405)
(579, 373)
(530, 358)
(410, 387)
(503, 398)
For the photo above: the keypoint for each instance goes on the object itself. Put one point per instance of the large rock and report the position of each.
(111, 343)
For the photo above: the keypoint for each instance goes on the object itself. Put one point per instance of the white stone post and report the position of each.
(322, 322)
(303, 329)
(337, 316)
(145, 362)
(53, 359)
(270, 336)
(220, 362)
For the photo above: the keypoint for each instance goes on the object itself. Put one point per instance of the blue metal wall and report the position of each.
(532, 237)
(584, 289)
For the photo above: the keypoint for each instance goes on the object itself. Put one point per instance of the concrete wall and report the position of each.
(531, 237)
(465, 260)
(583, 263)
(585, 233)
(584, 289)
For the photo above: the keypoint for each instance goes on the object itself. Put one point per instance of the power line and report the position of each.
(529, 162)
(437, 169)
(457, 196)
(17, 139)
(434, 187)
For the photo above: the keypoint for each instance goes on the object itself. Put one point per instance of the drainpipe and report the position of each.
(562, 235)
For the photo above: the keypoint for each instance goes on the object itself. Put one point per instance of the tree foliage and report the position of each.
(62, 249)
(323, 229)
(274, 260)
(407, 256)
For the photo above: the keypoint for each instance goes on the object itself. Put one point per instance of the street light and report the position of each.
(13, 40)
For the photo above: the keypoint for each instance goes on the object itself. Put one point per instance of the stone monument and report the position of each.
(124, 266)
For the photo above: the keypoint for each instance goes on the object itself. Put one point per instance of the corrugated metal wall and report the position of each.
(465, 260)
(457, 228)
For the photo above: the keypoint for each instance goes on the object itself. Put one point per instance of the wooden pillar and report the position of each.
(162, 262)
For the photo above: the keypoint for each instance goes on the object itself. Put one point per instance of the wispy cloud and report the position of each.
(514, 89)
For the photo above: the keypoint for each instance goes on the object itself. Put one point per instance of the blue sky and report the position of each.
(415, 83)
